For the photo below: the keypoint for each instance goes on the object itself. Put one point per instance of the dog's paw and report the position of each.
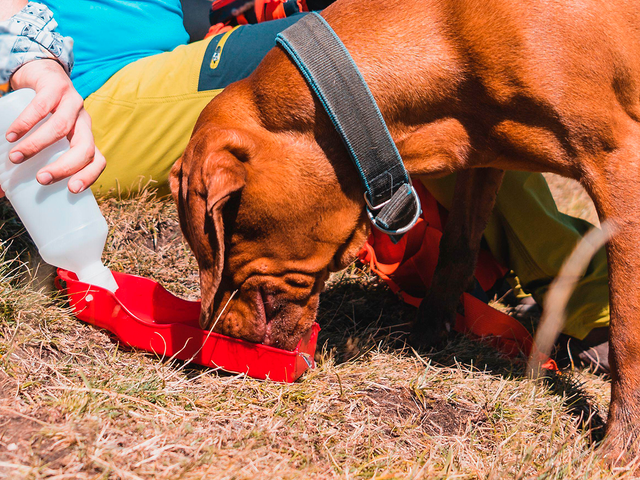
(433, 327)
(621, 445)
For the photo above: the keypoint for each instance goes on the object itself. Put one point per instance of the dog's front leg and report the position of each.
(473, 200)
(615, 193)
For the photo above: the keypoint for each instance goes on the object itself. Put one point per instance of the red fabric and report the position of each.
(265, 10)
(217, 29)
(408, 268)
(274, 9)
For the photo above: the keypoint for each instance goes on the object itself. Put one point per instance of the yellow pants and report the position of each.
(527, 233)
(143, 118)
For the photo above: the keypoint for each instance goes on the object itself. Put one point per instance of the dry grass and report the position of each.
(571, 198)
(73, 404)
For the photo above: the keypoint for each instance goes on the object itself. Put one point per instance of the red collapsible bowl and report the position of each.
(142, 314)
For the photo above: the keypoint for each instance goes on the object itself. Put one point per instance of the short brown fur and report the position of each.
(270, 203)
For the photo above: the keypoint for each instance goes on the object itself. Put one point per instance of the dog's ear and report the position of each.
(202, 182)
(225, 176)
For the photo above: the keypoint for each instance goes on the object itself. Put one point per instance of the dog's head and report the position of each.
(267, 216)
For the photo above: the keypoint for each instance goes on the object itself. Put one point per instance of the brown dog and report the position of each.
(270, 202)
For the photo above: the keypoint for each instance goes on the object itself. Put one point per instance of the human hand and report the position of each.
(55, 94)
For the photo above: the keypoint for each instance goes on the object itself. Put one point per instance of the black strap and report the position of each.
(392, 203)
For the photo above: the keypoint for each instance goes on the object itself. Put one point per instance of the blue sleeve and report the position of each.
(110, 34)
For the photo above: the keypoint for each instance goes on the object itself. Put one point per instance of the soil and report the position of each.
(437, 416)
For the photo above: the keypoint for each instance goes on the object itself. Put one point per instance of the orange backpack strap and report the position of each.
(408, 267)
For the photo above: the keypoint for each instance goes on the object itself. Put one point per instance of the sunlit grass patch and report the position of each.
(76, 404)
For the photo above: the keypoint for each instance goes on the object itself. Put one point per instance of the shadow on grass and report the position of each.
(579, 404)
(15, 243)
(358, 313)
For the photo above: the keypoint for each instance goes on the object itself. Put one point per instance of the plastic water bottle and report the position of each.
(68, 229)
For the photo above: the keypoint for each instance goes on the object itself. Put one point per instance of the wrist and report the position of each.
(30, 35)
(23, 78)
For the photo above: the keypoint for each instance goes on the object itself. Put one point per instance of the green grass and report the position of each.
(75, 404)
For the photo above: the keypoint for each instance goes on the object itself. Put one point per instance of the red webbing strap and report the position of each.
(275, 10)
(408, 267)
(265, 10)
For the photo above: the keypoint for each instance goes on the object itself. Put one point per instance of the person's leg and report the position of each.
(143, 116)
(528, 234)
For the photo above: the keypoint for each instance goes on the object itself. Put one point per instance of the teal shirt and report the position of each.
(110, 34)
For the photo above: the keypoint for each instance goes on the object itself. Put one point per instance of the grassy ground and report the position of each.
(75, 404)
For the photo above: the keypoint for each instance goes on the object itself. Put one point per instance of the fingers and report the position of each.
(55, 95)
(43, 103)
(58, 126)
(83, 162)
(88, 175)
